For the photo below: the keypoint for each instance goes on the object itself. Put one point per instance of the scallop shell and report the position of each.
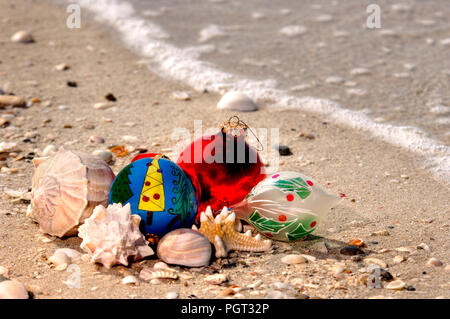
(65, 189)
(237, 101)
(184, 247)
(111, 236)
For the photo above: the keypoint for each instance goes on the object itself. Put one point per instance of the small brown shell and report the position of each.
(185, 247)
(65, 190)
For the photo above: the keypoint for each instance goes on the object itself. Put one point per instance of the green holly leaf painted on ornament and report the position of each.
(264, 224)
(297, 185)
(298, 233)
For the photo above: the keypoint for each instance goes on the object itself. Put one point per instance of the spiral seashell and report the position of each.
(184, 247)
(66, 188)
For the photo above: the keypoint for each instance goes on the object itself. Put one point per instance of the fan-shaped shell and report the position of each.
(185, 247)
(66, 188)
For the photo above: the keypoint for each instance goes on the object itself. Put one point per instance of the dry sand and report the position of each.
(413, 210)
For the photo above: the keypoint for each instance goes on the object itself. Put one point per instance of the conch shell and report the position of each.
(65, 189)
(111, 236)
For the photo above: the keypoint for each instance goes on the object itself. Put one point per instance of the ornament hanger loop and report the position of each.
(238, 127)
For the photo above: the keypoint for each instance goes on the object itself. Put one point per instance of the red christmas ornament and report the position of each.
(223, 168)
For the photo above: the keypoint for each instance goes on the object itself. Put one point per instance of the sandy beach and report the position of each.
(391, 203)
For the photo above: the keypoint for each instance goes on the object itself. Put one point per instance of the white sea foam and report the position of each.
(147, 39)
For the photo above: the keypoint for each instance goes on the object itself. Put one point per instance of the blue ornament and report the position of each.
(159, 191)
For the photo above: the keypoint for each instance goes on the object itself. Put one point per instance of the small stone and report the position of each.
(380, 233)
(172, 295)
(130, 139)
(376, 261)
(110, 97)
(351, 251)
(396, 285)
(283, 150)
(72, 84)
(62, 67)
(398, 259)
(434, 262)
(102, 106)
(405, 249)
(22, 37)
(275, 294)
(216, 279)
(107, 156)
(360, 71)
(424, 247)
(293, 259)
(11, 100)
(96, 139)
(12, 289)
(130, 280)
(320, 248)
(181, 95)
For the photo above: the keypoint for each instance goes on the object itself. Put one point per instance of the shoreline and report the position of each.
(342, 160)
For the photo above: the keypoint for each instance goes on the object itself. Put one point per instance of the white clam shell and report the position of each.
(11, 289)
(237, 101)
(22, 37)
(65, 189)
(185, 247)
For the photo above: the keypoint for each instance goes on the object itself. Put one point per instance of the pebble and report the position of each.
(396, 285)
(130, 280)
(62, 67)
(335, 80)
(11, 289)
(172, 295)
(281, 285)
(256, 284)
(424, 247)
(320, 248)
(11, 100)
(130, 139)
(351, 251)
(293, 30)
(356, 92)
(107, 156)
(275, 294)
(102, 106)
(181, 95)
(376, 261)
(96, 139)
(216, 279)
(237, 101)
(49, 150)
(405, 249)
(293, 259)
(434, 262)
(380, 233)
(398, 259)
(360, 71)
(283, 149)
(22, 37)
